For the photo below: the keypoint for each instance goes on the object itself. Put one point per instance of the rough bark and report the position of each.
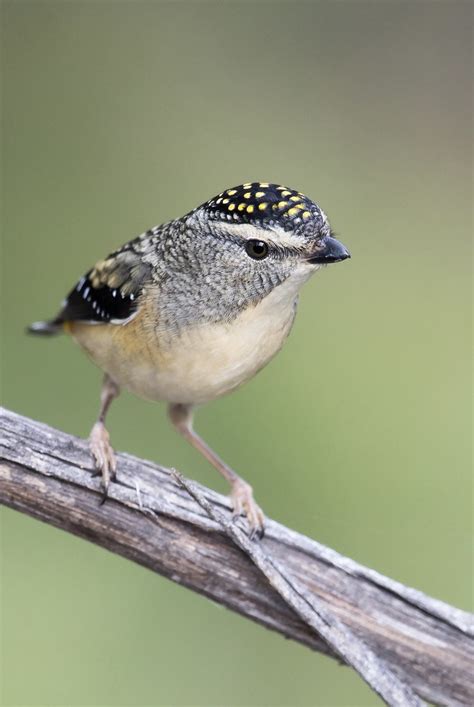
(400, 641)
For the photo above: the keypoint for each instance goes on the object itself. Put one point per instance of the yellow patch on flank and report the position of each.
(259, 194)
(241, 207)
(295, 198)
(300, 206)
(306, 214)
(225, 201)
(293, 211)
(282, 204)
(247, 195)
(249, 208)
(231, 207)
(286, 193)
(231, 192)
(263, 206)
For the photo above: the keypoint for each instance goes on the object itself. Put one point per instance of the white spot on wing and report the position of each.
(124, 321)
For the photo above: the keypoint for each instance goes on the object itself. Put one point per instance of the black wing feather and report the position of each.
(110, 291)
(97, 304)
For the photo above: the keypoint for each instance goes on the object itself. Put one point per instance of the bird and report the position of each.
(193, 308)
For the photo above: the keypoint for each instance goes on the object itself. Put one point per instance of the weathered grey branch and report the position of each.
(314, 612)
(399, 639)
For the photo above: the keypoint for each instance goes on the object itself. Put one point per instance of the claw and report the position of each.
(244, 503)
(104, 457)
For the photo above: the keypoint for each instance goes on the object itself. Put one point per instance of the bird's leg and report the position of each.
(241, 492)
(99, 443)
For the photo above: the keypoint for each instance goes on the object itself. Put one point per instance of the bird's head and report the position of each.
(273, 222)
(248, 240)
(274, 227)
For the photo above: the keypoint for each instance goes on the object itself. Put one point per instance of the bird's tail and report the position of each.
(51, 328)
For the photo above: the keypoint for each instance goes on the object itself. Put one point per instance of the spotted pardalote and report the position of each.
(191, 309)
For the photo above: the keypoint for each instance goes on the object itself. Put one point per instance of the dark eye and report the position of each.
(256, 249)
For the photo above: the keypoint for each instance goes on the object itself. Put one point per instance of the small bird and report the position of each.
(191, 309)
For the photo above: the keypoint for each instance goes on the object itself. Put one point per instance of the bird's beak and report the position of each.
(330, 251)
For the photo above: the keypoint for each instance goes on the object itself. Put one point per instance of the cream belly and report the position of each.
(201, 363)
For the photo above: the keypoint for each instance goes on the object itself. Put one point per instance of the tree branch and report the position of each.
(400, 641)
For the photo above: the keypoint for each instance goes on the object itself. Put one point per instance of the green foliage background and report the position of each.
(120, 115)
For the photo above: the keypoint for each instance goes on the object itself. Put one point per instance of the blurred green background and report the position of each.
(121, 115)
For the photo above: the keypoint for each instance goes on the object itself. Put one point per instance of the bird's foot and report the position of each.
(104, 457)
(244, 504)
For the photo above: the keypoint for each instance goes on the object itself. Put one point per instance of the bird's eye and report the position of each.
(256, 249)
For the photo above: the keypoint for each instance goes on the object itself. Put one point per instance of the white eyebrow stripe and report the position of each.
(274, 234)
(289, 240)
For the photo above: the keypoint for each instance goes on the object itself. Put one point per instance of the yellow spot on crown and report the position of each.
(259, 194)
(293, 211)
(300, 206)
(282, 204)
(247, 195)
(241, 207)
(231, 192)
(247, 185)
(264, 185)
(218, 201)
(295, 198)
(249, 208)
(263, 206)
(286, 192)
(231, 207)
(306, 214)
(283, 189)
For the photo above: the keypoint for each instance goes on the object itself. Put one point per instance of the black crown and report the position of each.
(263, 203)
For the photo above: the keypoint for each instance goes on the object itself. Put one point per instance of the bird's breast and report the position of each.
(195, 365)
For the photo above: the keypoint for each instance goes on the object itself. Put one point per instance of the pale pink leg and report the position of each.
(241, 492)
(99, 441)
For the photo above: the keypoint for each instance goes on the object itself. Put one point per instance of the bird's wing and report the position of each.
(110, 291)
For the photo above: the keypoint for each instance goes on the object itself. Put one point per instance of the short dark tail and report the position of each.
(51, 328)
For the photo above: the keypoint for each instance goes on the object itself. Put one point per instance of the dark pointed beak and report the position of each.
(330, 251)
